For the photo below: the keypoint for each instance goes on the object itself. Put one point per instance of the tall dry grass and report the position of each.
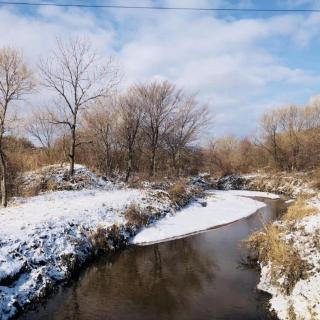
(269, 247)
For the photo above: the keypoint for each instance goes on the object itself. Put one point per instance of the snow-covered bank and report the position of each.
(289, 254)
(222, 207)
(288, 184)
(60, 222)
(295, 283)
(44, 238)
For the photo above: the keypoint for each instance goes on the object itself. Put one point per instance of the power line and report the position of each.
(79, 5)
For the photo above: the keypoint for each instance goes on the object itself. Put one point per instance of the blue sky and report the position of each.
(240, 64)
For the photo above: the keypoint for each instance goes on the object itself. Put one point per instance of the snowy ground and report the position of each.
(222, 207)
(304, 301)
(42, 235)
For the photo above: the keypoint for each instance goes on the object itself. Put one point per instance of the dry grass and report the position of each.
(291, 313)
(32, 190)
(99, 240)
(286, 263)
(316, 179)
(134, 215)
(179, 194)
(299, 210)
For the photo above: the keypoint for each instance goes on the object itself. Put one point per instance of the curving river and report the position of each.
(197, 277)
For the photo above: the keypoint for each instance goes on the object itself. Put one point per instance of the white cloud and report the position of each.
(230, 62)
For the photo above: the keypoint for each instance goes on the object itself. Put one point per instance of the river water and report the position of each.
(198, 277)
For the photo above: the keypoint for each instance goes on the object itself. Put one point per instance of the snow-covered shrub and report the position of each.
(179, 194)
(135, 216)
(287, 267)
(107, 240)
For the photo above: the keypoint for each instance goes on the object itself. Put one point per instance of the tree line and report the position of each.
(287, 139)
(148, 128)
(147, 131)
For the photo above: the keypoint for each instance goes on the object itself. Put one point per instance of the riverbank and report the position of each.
(45, 239)
(61, 223)
(195, 277)
(288, 249)
(48, 237)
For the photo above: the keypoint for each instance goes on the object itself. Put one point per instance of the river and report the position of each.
(198, 277)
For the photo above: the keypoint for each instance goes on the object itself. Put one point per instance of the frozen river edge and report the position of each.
(45, 237)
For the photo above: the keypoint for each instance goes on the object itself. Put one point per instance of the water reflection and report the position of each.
(192, 278)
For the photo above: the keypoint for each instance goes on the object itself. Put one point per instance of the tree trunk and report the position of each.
(4, 192)
(72, 150)
(152, 171)
(129, 166)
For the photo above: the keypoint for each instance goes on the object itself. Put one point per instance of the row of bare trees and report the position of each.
(149, 125)
(149, 128)
(287, 139)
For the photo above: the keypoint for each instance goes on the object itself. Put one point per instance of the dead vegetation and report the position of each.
(268, 246)
(299, 210)
(108, 240)
(179, 194)
(316, 179)
(136, 216)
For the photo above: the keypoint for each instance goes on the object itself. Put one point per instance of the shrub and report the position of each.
(107, 240)
(286, 263)
(134, 215)
(179, 194)
(98, 240)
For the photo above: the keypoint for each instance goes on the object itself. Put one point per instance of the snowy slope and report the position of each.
(42, 237)
(304, 300)
(222, 207)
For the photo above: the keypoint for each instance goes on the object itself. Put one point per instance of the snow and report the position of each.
(58, 207)
(40, 236)
(304, 299)
(57, 177)
(222, 207)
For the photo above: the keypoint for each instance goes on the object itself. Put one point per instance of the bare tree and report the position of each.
(99, 129)
(269, 136)
(41, 129)
(15, 81)
(160, 98)
(79, 78)
(189, 118)
(131, 117)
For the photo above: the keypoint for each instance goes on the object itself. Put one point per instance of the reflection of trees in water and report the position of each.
(172, 280)
(160, 278)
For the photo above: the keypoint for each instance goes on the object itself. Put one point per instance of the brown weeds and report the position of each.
(179, 194)
(134, 215)
(269, 246)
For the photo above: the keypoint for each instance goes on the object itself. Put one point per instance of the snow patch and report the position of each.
(41, 236)
(222, 207)
(304, 300)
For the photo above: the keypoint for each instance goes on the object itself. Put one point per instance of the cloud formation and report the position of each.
(239, 65)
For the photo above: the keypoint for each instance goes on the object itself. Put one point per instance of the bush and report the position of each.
(134, 215)
(286, 263)
(107, 240)
(179, 194)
